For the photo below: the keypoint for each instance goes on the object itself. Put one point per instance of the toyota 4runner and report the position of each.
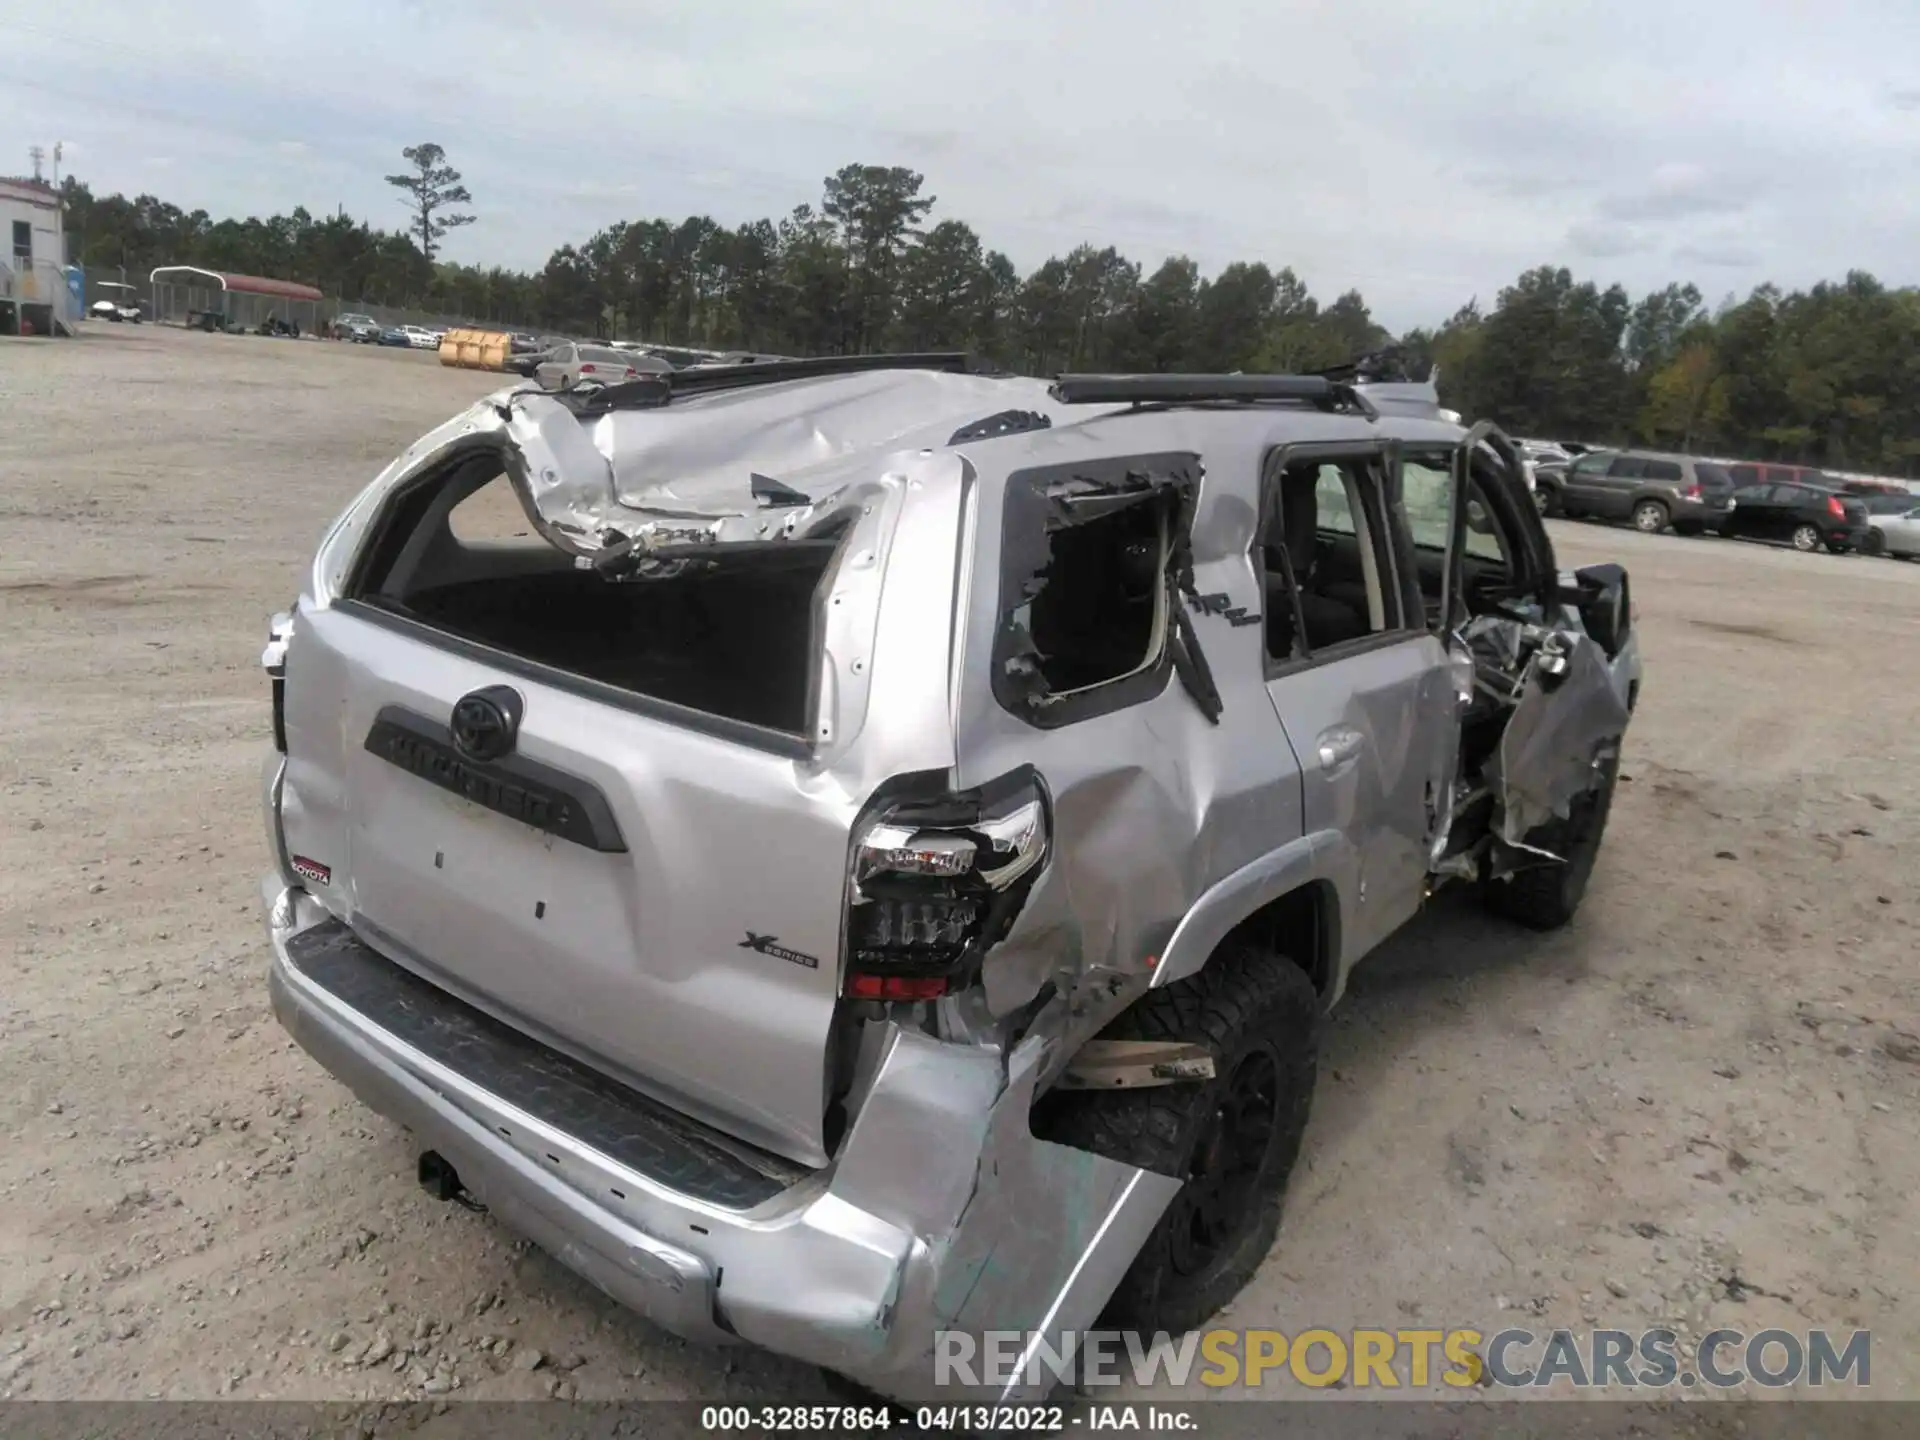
(842, 850)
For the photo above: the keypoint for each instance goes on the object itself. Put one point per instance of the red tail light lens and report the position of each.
(1835, 508)
(1692, 492)
(631, 372)
(587, 369)
(935, 882)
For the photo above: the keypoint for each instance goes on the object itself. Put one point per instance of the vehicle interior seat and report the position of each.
(1332, 610)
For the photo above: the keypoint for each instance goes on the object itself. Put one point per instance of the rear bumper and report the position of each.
(1699, 512)
(1849, 536)
(940, 1211)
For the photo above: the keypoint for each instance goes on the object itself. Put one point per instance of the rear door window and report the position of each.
(1712, 477)
(1627, 467)
(1659, 470)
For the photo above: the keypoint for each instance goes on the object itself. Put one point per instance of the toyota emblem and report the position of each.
(484, 723)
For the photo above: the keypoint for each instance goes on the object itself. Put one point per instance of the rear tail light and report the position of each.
(936, 882)
(1692, 492)
(631, 372)
(1835, 508)
(587, 369)
(273, 660)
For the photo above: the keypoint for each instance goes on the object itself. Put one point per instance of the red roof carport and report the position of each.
(194, 278)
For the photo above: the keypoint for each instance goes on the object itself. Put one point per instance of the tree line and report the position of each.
(1828, 375)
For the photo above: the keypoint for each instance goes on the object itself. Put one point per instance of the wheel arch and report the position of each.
(1286, 900)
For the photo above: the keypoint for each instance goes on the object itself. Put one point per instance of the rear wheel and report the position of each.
(1649, 517)
(1547, 499)
(1873, 543)
(1806, 537)
(1546, 896)
(1233, 1139)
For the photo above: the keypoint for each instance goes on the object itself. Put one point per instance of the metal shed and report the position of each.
(218, 299)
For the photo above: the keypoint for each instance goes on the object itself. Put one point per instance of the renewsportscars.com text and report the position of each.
(1409, 1358)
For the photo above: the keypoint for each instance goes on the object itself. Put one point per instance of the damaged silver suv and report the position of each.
(844, 850)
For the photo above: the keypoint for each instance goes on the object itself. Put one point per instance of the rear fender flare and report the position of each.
(1314, 858)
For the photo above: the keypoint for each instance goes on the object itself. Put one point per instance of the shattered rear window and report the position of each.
(1094, 559)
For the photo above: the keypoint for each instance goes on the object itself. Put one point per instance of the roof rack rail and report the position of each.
(653, 391)
(952, 362)
(1317, 390)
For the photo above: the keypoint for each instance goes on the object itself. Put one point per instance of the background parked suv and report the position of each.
(1652, 489)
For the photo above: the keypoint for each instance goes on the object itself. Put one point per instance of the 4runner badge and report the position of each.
(770, 945)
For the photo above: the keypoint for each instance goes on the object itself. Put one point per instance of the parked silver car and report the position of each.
(570, 364)
(876, 861)
(1895, 522)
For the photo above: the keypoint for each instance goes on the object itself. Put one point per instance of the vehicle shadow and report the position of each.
(1451, 984)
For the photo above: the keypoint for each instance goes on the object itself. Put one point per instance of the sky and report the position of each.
(1424, 152)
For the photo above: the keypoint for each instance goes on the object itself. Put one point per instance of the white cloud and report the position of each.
(1423, 154)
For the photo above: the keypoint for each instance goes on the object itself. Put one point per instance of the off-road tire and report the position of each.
(1650, 517)
(1806, 538)
(1260, 1016)
(1546, 896)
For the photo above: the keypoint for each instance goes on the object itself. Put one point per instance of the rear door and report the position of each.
(1615, 491)
(1792, 506)
(1903, 533)
(1360, 683)
(554, 371)
(1586, 478)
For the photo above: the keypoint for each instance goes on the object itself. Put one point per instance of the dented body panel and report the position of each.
(649, 939)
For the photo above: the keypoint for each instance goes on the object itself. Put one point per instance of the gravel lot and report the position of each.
(1697, 1105)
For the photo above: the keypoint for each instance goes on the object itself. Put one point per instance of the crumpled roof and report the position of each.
(704, 448)
(696, 458)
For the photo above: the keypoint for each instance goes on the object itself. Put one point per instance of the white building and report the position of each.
(33, 258)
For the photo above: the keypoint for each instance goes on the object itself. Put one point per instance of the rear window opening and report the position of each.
(732, 636)
(1101, 613)
(1092, 557)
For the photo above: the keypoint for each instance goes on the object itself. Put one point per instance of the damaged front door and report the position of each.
(1362, 687)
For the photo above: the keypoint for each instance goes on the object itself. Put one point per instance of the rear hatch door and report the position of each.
(660, 902)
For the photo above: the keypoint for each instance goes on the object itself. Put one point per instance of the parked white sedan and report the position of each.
(420, 337)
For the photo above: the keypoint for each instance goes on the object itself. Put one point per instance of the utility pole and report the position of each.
(38, 156)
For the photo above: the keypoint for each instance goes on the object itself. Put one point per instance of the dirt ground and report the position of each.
(1697, 1105)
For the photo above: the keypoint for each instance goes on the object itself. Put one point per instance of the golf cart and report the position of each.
(122, 305)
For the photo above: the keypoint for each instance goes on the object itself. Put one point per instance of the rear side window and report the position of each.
(1627, 467)
(1659, 470)
(1092, 556)
(1328, 555)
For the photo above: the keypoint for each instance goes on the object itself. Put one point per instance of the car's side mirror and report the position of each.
(1600, 595)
